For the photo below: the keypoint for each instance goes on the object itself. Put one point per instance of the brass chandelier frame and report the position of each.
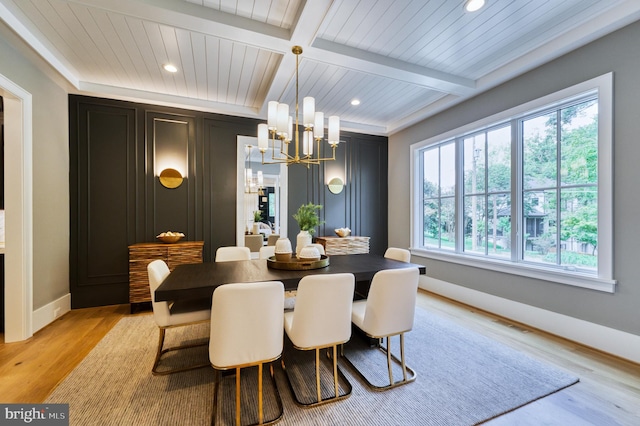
(277, 132)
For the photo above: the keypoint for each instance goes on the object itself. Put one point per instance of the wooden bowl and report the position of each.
(170, 239)
(342, 232)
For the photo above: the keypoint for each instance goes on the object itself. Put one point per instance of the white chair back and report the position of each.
(322, 314)
(267, 252)
(231, 253)
(399, 254)
(391, 302)
(246, 323)
(158, 272)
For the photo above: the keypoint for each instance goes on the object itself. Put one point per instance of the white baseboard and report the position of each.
(48, 313)
(619, 343)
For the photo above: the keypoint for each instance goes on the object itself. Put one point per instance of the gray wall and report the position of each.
(50, 169)
(619, 53)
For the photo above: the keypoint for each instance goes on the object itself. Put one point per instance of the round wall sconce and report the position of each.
(336, 185)
(170, 178)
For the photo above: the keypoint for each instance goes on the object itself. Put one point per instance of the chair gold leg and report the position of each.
(408, 375)
(238, 396)
(335, 371)
(404, 365)
(337, 376)
(260, 412)
(238, 419)
(218, 379)
(318, 375)
(389, 359)
(160, 352)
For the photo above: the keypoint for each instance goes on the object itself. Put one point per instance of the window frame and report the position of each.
(603, 279)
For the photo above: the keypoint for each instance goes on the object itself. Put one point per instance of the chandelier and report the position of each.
(279, 131)
(252, 185)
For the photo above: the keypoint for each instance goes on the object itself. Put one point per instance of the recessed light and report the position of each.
(170, 68)
(355, 102)
(473, 5)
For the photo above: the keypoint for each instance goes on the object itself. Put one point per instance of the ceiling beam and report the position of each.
(201, 19)
(304, 31)
(371, 63)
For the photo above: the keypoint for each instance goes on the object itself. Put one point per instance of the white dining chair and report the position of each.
(321, 319)
(388, 311)
(246, 331)
(177, 314)
(402, 255)
(231, 253)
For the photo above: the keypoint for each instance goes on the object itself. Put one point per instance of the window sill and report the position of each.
(530, 271)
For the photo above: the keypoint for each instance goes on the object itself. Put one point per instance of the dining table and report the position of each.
(199, 280)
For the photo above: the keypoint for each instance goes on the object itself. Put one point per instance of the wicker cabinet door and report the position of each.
(140, 255)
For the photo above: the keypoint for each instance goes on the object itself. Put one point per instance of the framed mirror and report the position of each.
(270, 198)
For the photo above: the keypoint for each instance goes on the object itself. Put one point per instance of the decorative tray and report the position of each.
(295, 264)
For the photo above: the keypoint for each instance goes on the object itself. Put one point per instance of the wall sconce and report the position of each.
(335, 185)
(170, 178)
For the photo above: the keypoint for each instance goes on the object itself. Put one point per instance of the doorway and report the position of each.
(1, 215)
(18, 273)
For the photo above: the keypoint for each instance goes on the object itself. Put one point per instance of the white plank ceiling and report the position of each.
(403, 59)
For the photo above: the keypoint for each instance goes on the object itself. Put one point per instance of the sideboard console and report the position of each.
(140, 255)
(344, 245)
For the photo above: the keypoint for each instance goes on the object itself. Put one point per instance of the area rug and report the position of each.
(463, 379)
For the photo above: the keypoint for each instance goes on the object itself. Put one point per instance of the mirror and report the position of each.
(336, 185)
(271, 199)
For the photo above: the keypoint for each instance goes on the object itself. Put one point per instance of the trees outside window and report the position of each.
(546, 161)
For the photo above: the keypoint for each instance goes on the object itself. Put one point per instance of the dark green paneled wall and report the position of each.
(118, 148)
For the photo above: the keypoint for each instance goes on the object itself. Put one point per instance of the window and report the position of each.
(439, 197)
(527, 191)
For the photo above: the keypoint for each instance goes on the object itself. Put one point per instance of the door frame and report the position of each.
(18, 125)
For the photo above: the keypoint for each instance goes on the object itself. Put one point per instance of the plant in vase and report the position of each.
(308, 220)
(257, 217)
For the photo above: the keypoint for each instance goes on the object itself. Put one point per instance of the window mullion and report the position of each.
(558, 181)
(517, 232)
(459, 196)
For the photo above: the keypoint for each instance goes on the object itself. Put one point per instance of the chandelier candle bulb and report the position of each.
(318, 127)
(308, 111)
(272, 115)
(263, 136)
(289, 133)
(283, 118)
(334, 130)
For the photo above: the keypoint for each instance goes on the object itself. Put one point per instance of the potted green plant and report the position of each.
(308, 220)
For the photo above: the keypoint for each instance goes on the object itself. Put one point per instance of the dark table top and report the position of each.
(200, 279)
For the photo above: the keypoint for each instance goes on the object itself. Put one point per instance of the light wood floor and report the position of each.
(608, 392)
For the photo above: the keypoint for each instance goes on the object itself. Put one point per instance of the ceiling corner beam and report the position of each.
(18, 27)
